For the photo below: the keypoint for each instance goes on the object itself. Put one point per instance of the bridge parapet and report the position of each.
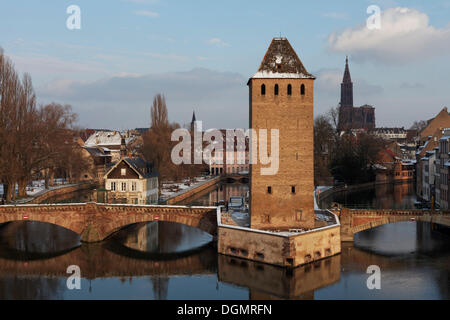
(95, 222)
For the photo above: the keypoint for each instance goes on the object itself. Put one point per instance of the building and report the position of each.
(428, 176)
(109, 141)
(131, 180)
(442, 168)
(396, 134)
(351, 117)
(231, 162)
(282, 98)
(99, 160)
(441, 121)
(428, 140)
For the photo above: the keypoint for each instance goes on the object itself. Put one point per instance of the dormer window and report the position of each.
(289, 90)
(263, 89)
(276, 89)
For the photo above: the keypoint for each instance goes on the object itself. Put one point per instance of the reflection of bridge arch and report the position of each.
(95, 222)
(97, 261)
(354, 221)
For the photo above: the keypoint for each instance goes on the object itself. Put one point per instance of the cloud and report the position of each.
(218, 42)
(147, 13)
(405, 36)
(328, 83)
(220, 99)
(43, 64)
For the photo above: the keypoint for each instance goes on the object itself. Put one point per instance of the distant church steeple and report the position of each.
(193, 121)
(347, 87)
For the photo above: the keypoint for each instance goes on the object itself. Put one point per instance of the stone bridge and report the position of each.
(356, 220)
(96, 222)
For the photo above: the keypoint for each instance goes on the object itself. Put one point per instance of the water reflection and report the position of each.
(385, 196)
(221, 191)
(162, 237)
(33, 237)
(109, 272)
(162, 260)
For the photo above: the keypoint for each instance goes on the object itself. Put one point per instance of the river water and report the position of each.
(162, 260)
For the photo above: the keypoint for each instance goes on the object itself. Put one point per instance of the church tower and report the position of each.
(193, 121)
(346, 104)
(347, 87)
(282, 97)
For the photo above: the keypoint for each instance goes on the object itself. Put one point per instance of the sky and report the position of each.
(201, 53)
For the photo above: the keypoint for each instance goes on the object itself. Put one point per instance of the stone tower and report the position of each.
(282, 97)
(347, 87)
(346, 109)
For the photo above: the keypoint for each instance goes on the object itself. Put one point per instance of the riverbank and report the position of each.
(45, 194)
(196, 188)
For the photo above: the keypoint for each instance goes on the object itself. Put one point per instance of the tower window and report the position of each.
(269, 190)
(263, 89)
(292, 189)
(276, 89)
(302, 89)
(289, 90)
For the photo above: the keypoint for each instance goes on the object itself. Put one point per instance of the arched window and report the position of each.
(263, 89)
(302, 89)
(289, 90)
(276, 89)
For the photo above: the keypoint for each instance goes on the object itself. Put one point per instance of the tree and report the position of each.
(354, 156)
(34, 140)
(324, 138)
(419, 125)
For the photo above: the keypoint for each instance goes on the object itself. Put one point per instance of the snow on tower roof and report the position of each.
(281, 61)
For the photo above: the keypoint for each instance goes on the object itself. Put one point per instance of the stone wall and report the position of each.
(178, 198)
(61, 191)
(282, 207)
(95, 222)
(289, 250)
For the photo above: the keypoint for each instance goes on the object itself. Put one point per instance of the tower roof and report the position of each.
(281, 61)
(347, 78)
(193, 117)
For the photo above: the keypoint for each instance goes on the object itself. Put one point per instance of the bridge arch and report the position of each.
(95, 222)
(354, 221)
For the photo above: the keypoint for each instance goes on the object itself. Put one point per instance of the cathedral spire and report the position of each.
(347, 78)
(347, 87)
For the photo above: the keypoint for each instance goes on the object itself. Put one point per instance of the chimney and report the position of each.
(123, 148)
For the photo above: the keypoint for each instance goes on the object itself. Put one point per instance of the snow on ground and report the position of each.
(37, 187)
(171, 189)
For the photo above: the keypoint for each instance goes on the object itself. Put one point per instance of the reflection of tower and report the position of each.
(160, 287)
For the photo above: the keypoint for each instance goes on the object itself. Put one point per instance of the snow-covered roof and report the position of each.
(281, 61)
(106, 138)
(278, 75)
